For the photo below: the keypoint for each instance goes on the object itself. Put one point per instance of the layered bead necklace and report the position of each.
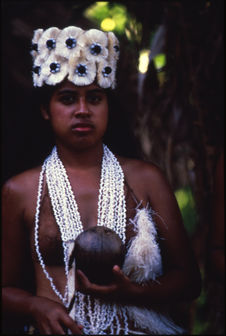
(111, 213)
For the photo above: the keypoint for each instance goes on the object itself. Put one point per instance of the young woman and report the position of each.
(83, 184)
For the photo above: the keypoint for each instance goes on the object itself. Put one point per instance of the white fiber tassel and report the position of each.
(153, 322)
(143, 260)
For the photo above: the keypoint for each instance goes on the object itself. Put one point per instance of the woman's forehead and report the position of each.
(70, 86)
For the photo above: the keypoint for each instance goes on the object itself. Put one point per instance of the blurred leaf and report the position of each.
(159, 61)
(186, 204)
(123, 22)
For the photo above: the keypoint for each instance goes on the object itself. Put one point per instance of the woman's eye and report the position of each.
(94, 99)
(67, 99)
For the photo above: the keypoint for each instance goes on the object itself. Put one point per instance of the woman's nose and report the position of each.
(82, 108)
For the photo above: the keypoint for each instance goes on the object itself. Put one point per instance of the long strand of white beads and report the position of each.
(41, 261)
(62, 199)
(103, 315)
(112, 207)
(109, 201)
(111, 213)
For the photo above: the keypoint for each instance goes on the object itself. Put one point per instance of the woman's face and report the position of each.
(78, 115)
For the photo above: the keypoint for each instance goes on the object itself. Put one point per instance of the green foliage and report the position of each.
(102, 10)
(200, 327)
(186, 204)
(112, 16)
(200, 322)
(159, 61)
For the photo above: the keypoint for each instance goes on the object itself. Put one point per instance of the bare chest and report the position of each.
(50, 242)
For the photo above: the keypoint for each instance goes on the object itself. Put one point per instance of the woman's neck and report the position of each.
(81, 159)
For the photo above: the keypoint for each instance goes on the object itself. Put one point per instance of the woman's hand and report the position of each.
(119, 289)
(51, 317)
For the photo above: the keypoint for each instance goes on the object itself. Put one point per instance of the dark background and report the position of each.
(176, 119)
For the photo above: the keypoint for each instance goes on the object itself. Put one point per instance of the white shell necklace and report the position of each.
(111, 205)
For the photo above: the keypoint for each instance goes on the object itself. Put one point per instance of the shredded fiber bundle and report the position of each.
(143, 260)
(153, 322)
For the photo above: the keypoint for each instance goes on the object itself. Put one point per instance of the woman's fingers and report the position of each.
(70, 324)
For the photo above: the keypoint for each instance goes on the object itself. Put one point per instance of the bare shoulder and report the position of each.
(18, 208)
(140, 168)
(152, 188)
(23, 185)
(145, 177)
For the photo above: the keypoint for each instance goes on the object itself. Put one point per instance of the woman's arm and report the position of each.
(18, 302)
(181, 279)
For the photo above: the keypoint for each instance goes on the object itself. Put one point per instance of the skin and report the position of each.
(81, 154)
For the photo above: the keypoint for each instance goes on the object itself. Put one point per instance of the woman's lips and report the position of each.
(82, 127)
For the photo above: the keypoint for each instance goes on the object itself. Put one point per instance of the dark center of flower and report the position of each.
(71, 43)
(106, 71)
(51, 44)
(95, 49)
(36, 69)
(81, 70)
(54, 67)
(34, 46)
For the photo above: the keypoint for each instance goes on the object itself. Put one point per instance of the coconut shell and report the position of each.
(96, 251)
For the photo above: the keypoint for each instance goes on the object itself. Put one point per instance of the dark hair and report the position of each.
(44, 93)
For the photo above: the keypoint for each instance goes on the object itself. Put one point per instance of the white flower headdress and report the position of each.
(73, 53)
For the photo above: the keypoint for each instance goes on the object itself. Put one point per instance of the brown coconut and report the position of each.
(96, 251)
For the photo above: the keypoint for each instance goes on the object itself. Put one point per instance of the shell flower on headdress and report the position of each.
(94, 43)
(81, 56)
(37, 72)
(106, 74)
(47, 42)
(54, 70)
(67, 42)
(81, 71)
(113, 46)
(34, 42)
